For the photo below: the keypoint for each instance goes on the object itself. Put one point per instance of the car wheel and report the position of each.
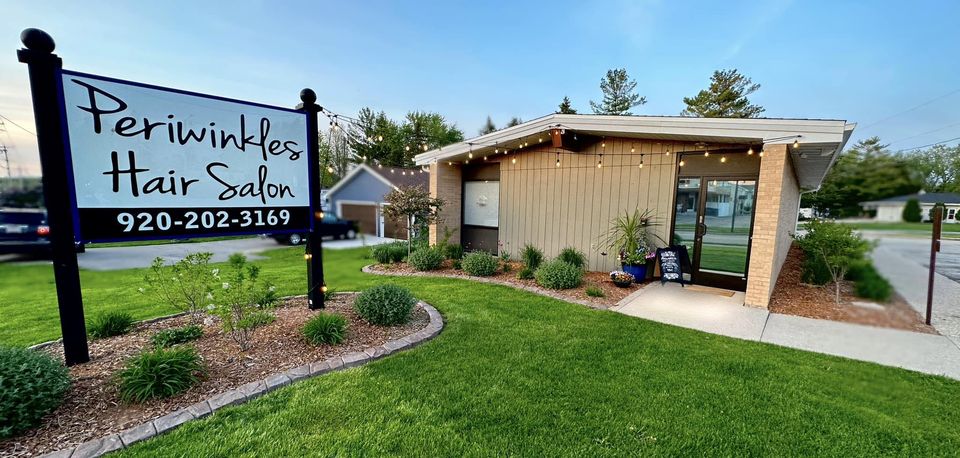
(351, 234)
(295, 239)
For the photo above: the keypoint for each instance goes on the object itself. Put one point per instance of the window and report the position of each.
(481, 203)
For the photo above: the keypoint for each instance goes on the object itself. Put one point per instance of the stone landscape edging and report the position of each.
(370, 269)
(251, 391)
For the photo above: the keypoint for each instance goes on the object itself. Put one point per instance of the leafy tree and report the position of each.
(837, 246)
(866, 172)
(31, 197)
(488, 127)
(725, 98)
(619, 94)
(940, 168)
(566, 107)
(387, 142)
(414, 205)
(514, 121)
(422, 131)
(912, 212)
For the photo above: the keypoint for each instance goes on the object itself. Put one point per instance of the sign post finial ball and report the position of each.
(308, 97)
(37, 40)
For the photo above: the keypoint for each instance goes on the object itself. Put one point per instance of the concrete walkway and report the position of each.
(724, 314)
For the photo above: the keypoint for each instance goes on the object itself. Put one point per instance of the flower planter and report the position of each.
(621, 279)
(639, 272)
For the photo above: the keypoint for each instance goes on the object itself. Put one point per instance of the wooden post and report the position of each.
(937, 216)
(316, 286)
(44, 67)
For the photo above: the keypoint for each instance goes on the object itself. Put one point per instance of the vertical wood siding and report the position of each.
(572, 205)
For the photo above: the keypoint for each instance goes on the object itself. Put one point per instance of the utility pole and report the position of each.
(6, 158)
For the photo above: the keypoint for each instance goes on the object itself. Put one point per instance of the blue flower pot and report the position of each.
(639, 272)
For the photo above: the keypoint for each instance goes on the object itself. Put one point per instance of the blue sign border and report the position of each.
(311, 143)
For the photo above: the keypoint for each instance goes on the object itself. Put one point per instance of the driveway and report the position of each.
(130, 257)
(905, 262)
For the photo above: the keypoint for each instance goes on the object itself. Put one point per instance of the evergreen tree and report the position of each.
(514, 121)
(566, 107)
(912, 212)
(488, 127)
(619, 94)
(725, 98)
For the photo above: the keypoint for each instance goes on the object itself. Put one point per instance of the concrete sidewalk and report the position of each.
(726, 315)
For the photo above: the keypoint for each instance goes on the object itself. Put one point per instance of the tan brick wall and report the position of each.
(778, 196)
(446, 183)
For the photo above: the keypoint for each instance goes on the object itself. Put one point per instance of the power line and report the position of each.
(18, 125)
(925, 133)
(928, 102)
(929, 145)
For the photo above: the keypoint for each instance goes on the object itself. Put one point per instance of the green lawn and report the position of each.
(165, 242)
(518, 374)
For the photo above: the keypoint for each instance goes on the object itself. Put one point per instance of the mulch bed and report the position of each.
(793, 297)
(92, 407)
(612, 293)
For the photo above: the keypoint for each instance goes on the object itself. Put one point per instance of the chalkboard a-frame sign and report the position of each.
(671, 265)
(130, 161)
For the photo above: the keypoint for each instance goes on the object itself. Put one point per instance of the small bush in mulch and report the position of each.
(426, 259)
(452, 251)
(457, 264)
(325, 328)
(109, 324)
(869, 284)
(594, 291)
(389, 252)
(31, 385)
(159, 373)
(385, 305)
(557, 274)
(480, 264)
(507, 267)
(573, 257)
(531, 256)
(525, 273)
(257, 319)
(176, 336)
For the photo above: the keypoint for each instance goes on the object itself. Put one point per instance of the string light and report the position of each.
(364, 158)
(750, 151)
(379, 138)
(761, 153)
(391, 170)
(407, 148)
(558, 159)
(484, 157)
(723, 159)
(329, 169)
(450, 164)
(600, 161)
(641, 161)
(424, 146)
(682, 163)
(706, 154)
(513, 161)
(796, 144)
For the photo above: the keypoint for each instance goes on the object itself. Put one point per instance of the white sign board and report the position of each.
(481, 203)
(151, 162)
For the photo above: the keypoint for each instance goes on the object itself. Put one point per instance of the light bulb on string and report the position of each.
(706, 154)
(424, 146)
(513, 161)
(600, 162)
(761, 153)
(796, 144)
(723, 159)
(379, 138)
(407, 148)
(329, 169)
(641, 161)
(682, 163)
(558, 159)
(750, 151)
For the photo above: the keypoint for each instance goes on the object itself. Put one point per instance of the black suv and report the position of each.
(330, 226)
(24, 231)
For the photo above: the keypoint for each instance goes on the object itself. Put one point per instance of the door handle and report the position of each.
(703, 229)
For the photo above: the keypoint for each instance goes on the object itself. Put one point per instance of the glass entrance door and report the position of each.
(714, 219)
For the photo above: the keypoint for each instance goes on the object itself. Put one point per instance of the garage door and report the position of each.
(364, 215)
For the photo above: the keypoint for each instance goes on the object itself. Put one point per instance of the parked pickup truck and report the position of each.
(330, 226)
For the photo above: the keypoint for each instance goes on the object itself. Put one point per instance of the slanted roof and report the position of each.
(820, 140)
(924, 198)
(393, 177)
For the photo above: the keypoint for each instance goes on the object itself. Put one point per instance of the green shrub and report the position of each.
(31, 385)
(573, 257)
(171, 337)
(159, 373)
(426, 259)
(912, 213)
(531, 256)
(453, 251)
(525, 273)
(815, 271)
(834, 245)
(257, 319)
(329, 294)
(869, 284)
(381, 254)
(398, 251)
(457, 264)
(557, 274)
(594, 291)
(479, 264)
(109, 324)
(507, 267)
(325, 328)
(385, 305)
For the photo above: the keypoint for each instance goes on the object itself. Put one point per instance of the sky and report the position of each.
(889, 66)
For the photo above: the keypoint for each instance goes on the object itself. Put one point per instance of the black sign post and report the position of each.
(43, 66)
(937, 217)
(314, 251)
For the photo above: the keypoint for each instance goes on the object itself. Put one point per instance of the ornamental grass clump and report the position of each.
(573, 257)
(531, 256)
(325, 328)
(385, 305)
(557, 274)
(159, 373)
(480, 264)
(426, 259)
(31, 385)
(109, 324)
(176, 336)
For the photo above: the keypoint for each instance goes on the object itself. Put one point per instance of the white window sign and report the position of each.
(481, 203)
(152, 162)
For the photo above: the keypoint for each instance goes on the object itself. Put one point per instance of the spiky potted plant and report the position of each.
(630, 237)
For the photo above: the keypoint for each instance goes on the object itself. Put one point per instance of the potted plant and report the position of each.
(629, 236)
(621, 278)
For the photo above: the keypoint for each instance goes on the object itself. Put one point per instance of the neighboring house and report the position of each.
(359, 196)
(891, 209)
(728, 189)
